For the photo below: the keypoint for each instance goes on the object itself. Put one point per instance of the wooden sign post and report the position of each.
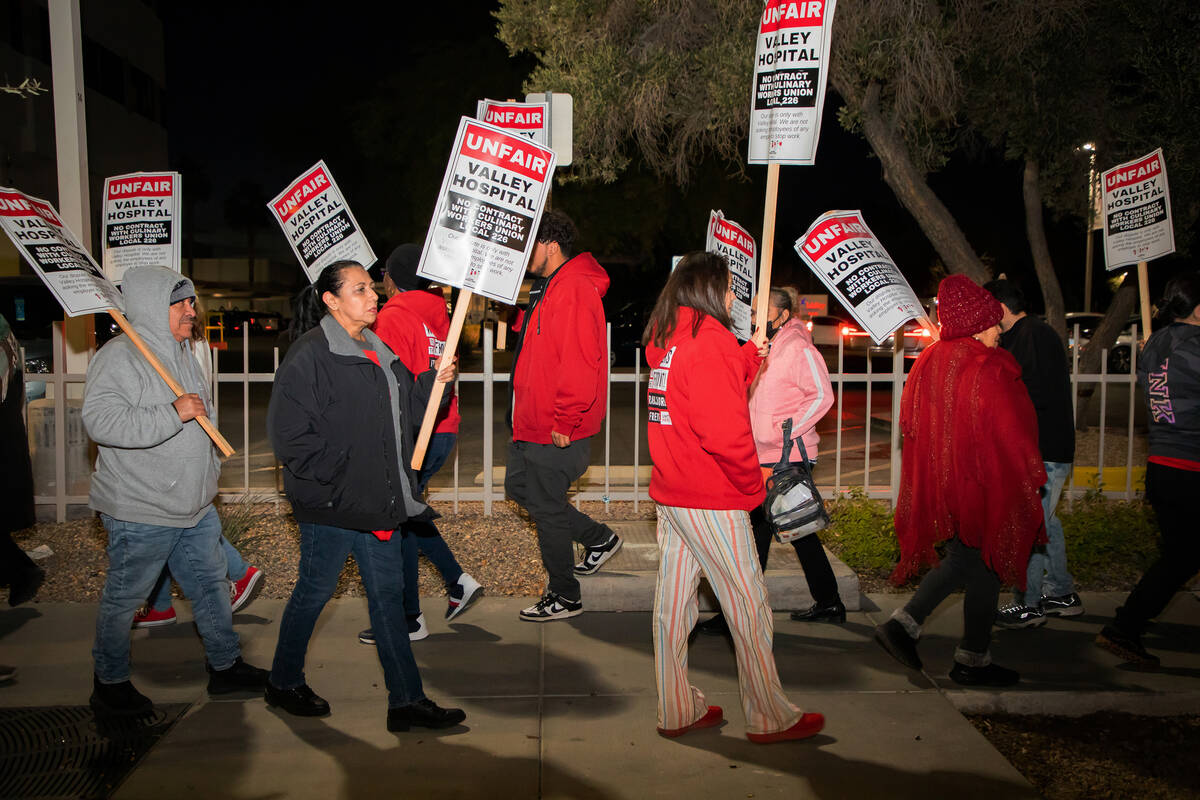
(435, 396)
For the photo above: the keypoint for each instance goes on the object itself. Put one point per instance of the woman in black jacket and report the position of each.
(341, 419)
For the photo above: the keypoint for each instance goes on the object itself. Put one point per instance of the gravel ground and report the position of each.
(1101, 756)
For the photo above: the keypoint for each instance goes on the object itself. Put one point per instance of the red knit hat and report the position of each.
(965, 308)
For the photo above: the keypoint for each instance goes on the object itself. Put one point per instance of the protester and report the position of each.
(154, 483)
(559, 381)
(1169, 370)
(706, 478)
(17, 570)
(341, 421)
(970, 477)
(413, 323)
(244, 579)
(792, 384)
(1049, 587)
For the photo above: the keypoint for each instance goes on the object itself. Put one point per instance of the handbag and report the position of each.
(794, 506)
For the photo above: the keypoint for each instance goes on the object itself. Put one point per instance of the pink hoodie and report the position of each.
(793, 382)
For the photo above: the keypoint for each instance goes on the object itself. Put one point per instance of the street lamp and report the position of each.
(1090, 149)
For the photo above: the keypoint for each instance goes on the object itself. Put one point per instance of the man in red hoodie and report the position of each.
(414, 324)
(559, 383)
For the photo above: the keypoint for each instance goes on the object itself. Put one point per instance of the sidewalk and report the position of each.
(567, 709)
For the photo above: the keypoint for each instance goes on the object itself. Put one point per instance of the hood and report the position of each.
(147, 292)
(418, 300)
(793, 328)
(585, 266)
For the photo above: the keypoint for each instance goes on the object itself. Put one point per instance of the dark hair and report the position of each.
(699, 282)
(308, 308)
(1008, 293)
(557, 227)
(781, 299)
(1181, 297)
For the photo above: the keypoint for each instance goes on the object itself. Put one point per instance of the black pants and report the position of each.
(962, 568)
(1172, 493)
(539, 478)
(817, 571)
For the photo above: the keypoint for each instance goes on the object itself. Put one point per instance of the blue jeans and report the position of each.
(422, 538)
(160, 598)
(136, 555)
(323, 552)
(1047, 574)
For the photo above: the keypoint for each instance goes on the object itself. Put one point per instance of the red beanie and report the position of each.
(965, 308)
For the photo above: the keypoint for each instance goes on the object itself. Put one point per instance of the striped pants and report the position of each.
(722, 545)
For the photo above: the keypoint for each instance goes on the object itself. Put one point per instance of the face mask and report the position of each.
(773, 327)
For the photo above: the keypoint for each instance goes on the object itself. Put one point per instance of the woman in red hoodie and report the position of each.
(705, 480)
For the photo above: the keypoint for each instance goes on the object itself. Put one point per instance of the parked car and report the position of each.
(1120, 356)
(856, 343)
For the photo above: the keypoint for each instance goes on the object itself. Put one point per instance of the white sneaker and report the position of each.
(552, 607)
(468, 590)
(416, 629)
(594, 557)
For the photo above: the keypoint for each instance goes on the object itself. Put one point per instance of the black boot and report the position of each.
(240, 677)
(424, 714)
(822, 612)
(300, 701)
(714, 625)
(119, 699)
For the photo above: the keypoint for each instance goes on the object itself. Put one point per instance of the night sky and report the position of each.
(258, 92)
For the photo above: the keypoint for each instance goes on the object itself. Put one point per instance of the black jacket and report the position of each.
(1043, 360)
(332, 425)
(1169, 371)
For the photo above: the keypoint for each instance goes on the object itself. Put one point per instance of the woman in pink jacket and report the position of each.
(793, 383)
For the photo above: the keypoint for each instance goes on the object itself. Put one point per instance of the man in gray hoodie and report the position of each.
(154, 483)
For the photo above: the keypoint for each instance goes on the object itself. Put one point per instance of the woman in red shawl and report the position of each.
(970, 477)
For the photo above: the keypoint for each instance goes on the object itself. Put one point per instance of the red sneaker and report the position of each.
(241, 592)
(808, 725)
(712, 717)
(149, 618)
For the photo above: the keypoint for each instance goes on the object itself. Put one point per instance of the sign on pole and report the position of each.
(74, 277)
(791, 66)
(531, 120)
(859, 273)
(731, 240)
(561, 121)
(141, 222)
(1137, 212)
(318, 223)
(56, 255)
(488, 210)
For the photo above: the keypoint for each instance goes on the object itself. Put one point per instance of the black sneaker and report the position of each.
(1016, 615)
(241, 677)
(714, 625)
(822, 612)
(1126, 647)
(594, 557)
(991, 675)
(1065, 605)
(902, 647)
(300, 701)
(552, 607)
(424, 714)
(119, 699)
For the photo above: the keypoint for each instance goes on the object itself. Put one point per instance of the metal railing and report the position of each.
(605, 480)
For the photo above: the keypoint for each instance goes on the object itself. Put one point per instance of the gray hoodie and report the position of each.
(151, 467)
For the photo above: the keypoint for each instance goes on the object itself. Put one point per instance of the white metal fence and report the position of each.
(866, 459)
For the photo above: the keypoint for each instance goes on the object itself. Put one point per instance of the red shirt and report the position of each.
(699, 429)
(414, 324)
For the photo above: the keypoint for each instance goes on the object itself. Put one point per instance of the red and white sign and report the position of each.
(731, 240)
(791, 67)
(141, 223)
(488, 211)
(56, 254)
(857, 270)
(319, 224)
(531, 120)
(1137, 212)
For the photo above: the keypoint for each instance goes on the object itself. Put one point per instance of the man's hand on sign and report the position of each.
(559, 439)
(448, 373)
(189, 406)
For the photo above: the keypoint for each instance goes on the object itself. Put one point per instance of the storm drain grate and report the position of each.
(66, 751)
